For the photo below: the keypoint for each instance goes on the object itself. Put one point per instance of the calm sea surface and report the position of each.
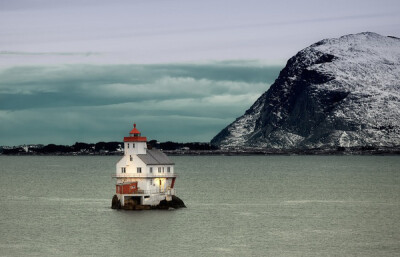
(237, 206)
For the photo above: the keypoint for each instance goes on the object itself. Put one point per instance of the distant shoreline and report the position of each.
(238, 152)
(394, 151)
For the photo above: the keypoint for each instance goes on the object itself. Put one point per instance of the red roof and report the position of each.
(135, 139)
(134, 130)
(135, 136)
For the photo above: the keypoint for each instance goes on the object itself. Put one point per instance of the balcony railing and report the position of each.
(145, 175)
(170, 191)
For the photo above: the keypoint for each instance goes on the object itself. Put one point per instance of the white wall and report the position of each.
(135, 148)
(149, 185)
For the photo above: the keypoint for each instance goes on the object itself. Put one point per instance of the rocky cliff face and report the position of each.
(337, 92)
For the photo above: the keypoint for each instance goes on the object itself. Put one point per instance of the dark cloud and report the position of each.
(87, 85)
(181, 102)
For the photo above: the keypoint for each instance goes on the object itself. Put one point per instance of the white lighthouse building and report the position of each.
(145, 177)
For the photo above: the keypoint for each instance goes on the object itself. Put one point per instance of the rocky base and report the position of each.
(175, 203)
(115, 203)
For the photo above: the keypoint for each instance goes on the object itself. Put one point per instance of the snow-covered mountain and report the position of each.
(337, 92)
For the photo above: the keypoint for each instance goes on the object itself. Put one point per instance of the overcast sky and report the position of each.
(85, 70)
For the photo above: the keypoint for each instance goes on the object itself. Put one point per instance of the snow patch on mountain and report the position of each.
(337, 92)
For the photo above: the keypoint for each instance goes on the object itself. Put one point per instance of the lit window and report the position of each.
(168, 169)
(139, 170)
(151, 169)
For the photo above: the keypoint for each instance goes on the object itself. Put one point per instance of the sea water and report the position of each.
(236, 206)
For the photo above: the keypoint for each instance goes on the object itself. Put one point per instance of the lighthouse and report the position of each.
(145, 178)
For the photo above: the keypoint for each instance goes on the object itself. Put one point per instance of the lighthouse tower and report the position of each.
(145, 177)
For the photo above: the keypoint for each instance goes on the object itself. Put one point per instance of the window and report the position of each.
(168, 169)
(123, 170)
(128, 145)
(130, 157)
(159, 169)
(139, 170)
(133, 145)
(151, 169)
(162, 169)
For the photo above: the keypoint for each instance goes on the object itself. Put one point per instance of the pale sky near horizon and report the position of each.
(183, 70)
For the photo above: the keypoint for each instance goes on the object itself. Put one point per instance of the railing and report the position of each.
(145, 175)
(171, 191)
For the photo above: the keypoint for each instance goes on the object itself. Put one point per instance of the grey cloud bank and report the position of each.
(183, 31)
(181, 102)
